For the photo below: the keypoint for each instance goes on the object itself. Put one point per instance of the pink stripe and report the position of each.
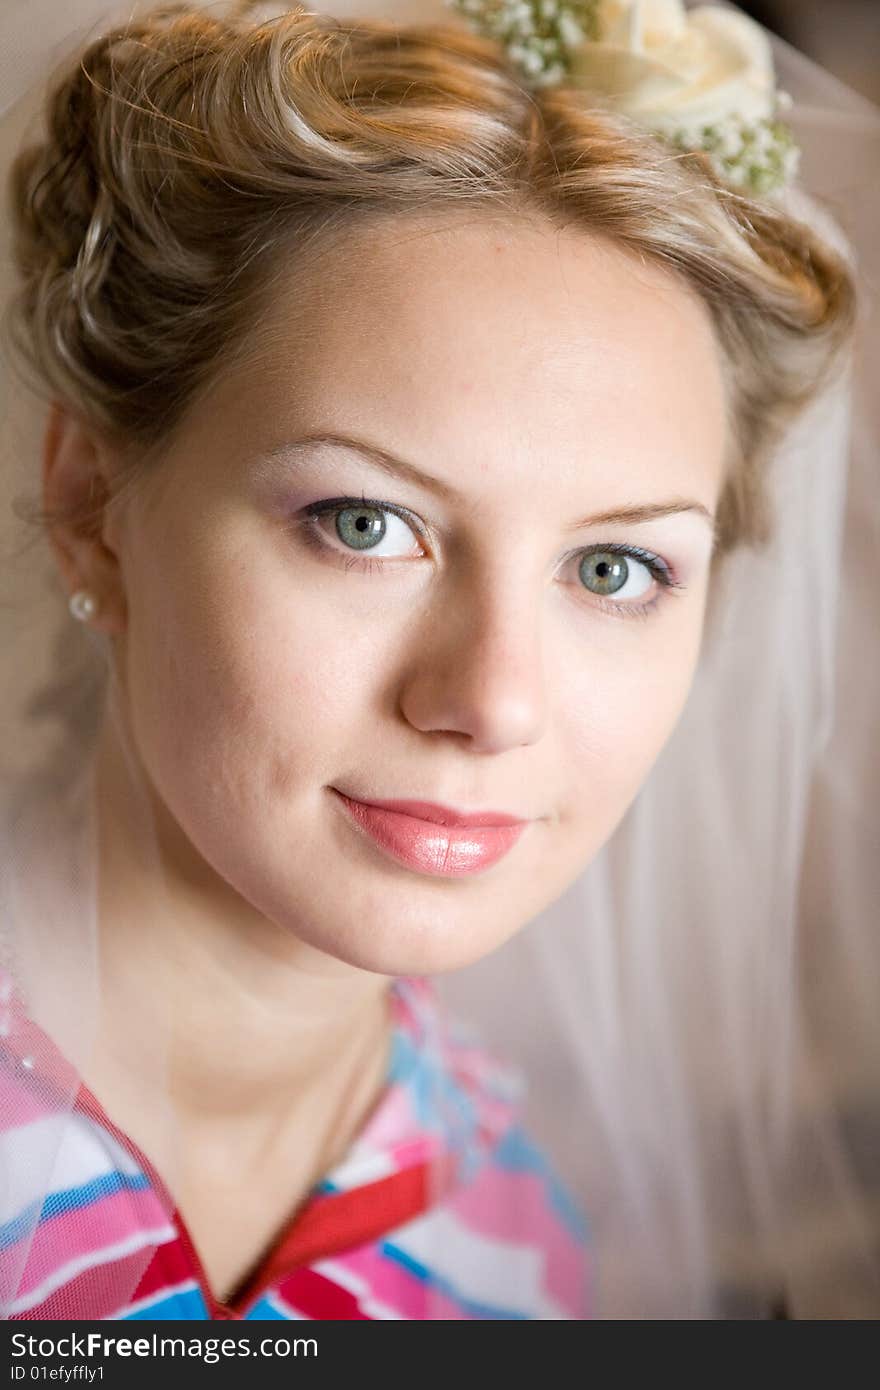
(513, 1207)
(88, 1230)
(393, 1285)
(393, 1119)
(91, 1294)
(419, 1149)
(21, 1104)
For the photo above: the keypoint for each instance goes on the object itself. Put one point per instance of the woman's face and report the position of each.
(464, 638)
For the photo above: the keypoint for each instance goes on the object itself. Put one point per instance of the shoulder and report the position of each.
(472, 1093)
(509, 1237)
(78, 1216)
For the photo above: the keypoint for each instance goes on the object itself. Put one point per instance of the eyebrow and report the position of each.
(399, 468)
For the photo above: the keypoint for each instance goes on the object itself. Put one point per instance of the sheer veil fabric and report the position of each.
(697, 1017)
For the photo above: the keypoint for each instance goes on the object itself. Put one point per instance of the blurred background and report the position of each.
(842, 35)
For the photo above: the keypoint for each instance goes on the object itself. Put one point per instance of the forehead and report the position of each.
(473, 337)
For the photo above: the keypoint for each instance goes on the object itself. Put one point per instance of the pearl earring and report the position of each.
(83, 605)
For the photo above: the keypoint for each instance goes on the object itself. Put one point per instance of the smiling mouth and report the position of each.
(430, 846)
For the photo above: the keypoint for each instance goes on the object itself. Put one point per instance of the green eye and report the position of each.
(604, 572)
(360, 527)
(363, 525)
(610, 572)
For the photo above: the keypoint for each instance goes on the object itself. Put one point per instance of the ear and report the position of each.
(76, 476)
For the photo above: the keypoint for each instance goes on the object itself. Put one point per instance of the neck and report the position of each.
(248, 1029)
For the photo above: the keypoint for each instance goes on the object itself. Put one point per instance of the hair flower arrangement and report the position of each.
(703, 78)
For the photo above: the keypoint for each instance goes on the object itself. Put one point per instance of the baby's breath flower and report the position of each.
(550, 41)
(538, 35)
(760, 157)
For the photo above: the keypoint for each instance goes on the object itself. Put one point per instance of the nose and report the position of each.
(478, 668)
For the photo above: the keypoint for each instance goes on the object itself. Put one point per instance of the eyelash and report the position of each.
(658, 568)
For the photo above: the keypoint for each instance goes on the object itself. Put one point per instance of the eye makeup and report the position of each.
(308, 523)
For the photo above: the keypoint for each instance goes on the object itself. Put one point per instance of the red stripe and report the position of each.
(341, 1220)
(319, 1298)
(170, 1265)
(95, 1293)
(326, 1223)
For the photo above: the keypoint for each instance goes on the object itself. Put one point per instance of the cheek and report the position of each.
(244, 677)
(619, 713)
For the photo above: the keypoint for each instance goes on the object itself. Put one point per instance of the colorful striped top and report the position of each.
(442, 1208)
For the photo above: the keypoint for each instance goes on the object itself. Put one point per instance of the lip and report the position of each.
(434, 839)
(442, 815)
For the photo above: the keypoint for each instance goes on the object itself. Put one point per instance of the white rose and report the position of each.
(678, 70)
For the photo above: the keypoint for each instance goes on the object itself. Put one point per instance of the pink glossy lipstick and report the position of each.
(435, 839)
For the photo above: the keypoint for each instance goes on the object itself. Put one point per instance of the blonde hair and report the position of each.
(189, 157)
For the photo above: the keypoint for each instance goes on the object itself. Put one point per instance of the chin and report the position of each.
(412, 951)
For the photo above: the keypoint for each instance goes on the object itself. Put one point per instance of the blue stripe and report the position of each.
(516, 1151)
(188, 1305)
(436, 1281)
(402, 1058)
(264, 1311)
(324, 1186)
(69, 1199)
